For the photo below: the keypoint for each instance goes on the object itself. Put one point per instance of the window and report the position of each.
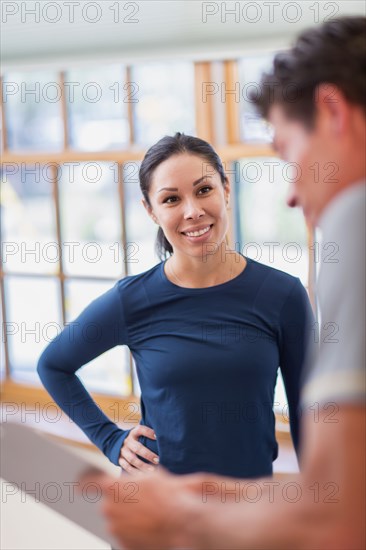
(91, 221)
(72, 218)
(97, 106)
(165, 100)
(33, 320)
(73, 223)
(2, 345)
(141, 230)
(268, 230)
(32, 105)
(252, 127)
(28, 220)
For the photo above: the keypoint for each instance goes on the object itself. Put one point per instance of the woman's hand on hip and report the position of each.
(132, 449)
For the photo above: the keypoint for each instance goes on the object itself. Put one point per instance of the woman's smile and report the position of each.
(198, 235)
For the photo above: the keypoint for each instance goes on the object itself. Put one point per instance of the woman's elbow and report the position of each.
(44, 366)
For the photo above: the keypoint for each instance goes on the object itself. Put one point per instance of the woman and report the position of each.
(207, 327)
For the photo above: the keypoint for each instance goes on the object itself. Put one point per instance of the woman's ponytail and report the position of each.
(163, 248)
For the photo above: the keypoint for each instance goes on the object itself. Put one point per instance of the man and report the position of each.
(315, 99)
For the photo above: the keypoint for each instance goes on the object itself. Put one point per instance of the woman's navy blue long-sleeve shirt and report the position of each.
(207, 362)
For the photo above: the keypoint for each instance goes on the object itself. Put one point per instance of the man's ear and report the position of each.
(331, 102)
(149, 211)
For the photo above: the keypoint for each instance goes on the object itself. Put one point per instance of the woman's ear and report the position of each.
(149, 211)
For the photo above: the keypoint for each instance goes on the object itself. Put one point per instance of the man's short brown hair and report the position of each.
(333, 53)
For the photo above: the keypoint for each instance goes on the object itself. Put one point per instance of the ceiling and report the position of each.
(148, 29)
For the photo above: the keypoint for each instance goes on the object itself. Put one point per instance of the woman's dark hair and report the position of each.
(161, 151)
(333, 53)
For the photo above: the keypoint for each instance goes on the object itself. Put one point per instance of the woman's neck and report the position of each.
(204, 271)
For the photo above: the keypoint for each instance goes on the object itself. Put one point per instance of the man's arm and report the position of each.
(323, 507)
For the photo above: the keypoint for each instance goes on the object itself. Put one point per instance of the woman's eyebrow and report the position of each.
(200, 179)
(176, 189)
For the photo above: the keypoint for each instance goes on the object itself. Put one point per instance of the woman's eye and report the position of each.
(206, 187)
(168, 199)
(171, 199)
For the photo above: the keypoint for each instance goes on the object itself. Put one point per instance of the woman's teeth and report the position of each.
(198, 233)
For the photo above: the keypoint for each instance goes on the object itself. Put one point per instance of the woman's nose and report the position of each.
(193, 210)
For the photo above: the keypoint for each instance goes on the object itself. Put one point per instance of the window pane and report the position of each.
(280, 399)
(2, 344)
(1, 132)
(136, 383)
(33, 320)
(269, 231)
(2, 359)
(165, 100)
(97, 101)
(108, 373)
(91, 219)
(140, 229)
(252, 127)
(32, 102)
(28, 220)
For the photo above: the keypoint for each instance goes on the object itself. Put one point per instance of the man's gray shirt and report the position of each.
(338, 373)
